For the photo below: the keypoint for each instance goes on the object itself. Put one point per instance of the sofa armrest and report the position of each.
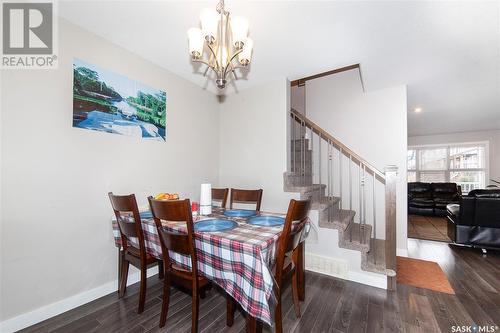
(453, 212)
(487, 212)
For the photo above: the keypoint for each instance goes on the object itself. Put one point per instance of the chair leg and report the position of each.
(161, 270)
(165, 301)
(295, 294)
(124, 276)
(194, 307)
(203, 293)
(277, 316)
(229, 310)
(253, 325)
(142, 292)
(120, 264)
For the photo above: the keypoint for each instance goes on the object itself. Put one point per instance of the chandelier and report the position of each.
(225, 41)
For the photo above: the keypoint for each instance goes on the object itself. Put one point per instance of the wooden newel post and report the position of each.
(390, 225)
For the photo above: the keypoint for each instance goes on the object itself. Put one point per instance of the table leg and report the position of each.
(253, 325)
(301, 276)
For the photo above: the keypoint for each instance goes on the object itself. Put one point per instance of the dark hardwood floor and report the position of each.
(331, 305)
(428, 228)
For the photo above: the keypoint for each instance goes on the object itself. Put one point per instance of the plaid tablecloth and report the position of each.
(238, 260)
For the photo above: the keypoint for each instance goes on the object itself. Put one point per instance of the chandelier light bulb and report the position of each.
(239, 29)
(195, 40)
(246, 55)
(209, 24)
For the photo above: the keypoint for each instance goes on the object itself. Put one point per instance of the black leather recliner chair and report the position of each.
(475, 221)
(431, 198)
(420, 200)
(443, 195)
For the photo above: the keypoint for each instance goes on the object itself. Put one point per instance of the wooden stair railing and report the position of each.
(301, 166)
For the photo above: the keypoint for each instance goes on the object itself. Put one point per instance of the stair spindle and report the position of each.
(312, 158)
(360, 191)
(374, 221)
(303, 152)
(364, 200)
(340, 177)
(330, 180)
(350, 191)
(319, 169)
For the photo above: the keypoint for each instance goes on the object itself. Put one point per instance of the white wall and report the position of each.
(253, 142)
(492, 137)
(373, 124)
(57, 238)
(298, 98)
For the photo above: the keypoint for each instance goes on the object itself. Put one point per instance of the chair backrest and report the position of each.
(298, 211)
(246, 196)
(445, 191)
(179, 211)
(419, 190)
(128, 219)
(220, 194)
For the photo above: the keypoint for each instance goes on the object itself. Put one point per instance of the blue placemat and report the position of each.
(239, 213)
(266, 221)
(214, 225)
(146, 215)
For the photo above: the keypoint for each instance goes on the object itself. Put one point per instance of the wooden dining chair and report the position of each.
(178, 210)
(246, 197)
(286, 260)
(133, 246)
(220, 194)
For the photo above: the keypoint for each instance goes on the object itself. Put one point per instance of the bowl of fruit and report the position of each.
(167, 196)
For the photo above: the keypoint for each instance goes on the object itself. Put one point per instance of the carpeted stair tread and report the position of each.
(374, 260)
(341, 220)
(357, 237)
(324, 202)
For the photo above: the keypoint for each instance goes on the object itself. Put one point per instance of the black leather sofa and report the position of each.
(475, 220)
(431, 198)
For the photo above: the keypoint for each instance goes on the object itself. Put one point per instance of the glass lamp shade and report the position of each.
(195, 40)
(209, 24)
(246, 55)
(239, 29)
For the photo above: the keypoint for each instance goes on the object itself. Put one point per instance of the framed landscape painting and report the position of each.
(109, 102)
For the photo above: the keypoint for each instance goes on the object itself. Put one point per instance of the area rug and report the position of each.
(422, 274)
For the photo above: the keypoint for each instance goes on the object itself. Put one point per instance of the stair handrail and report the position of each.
(345, 150)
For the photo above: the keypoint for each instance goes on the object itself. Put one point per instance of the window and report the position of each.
(412, 176)
(432, 159)
(432, 177)
(412, 159)
(461, 164)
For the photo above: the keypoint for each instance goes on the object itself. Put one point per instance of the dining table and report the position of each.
(239, 260)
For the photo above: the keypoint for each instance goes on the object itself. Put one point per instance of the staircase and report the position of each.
(349, 195)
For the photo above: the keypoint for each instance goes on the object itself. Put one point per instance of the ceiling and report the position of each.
(447, 53)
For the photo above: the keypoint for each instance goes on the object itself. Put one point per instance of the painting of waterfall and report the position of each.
(108, 102)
